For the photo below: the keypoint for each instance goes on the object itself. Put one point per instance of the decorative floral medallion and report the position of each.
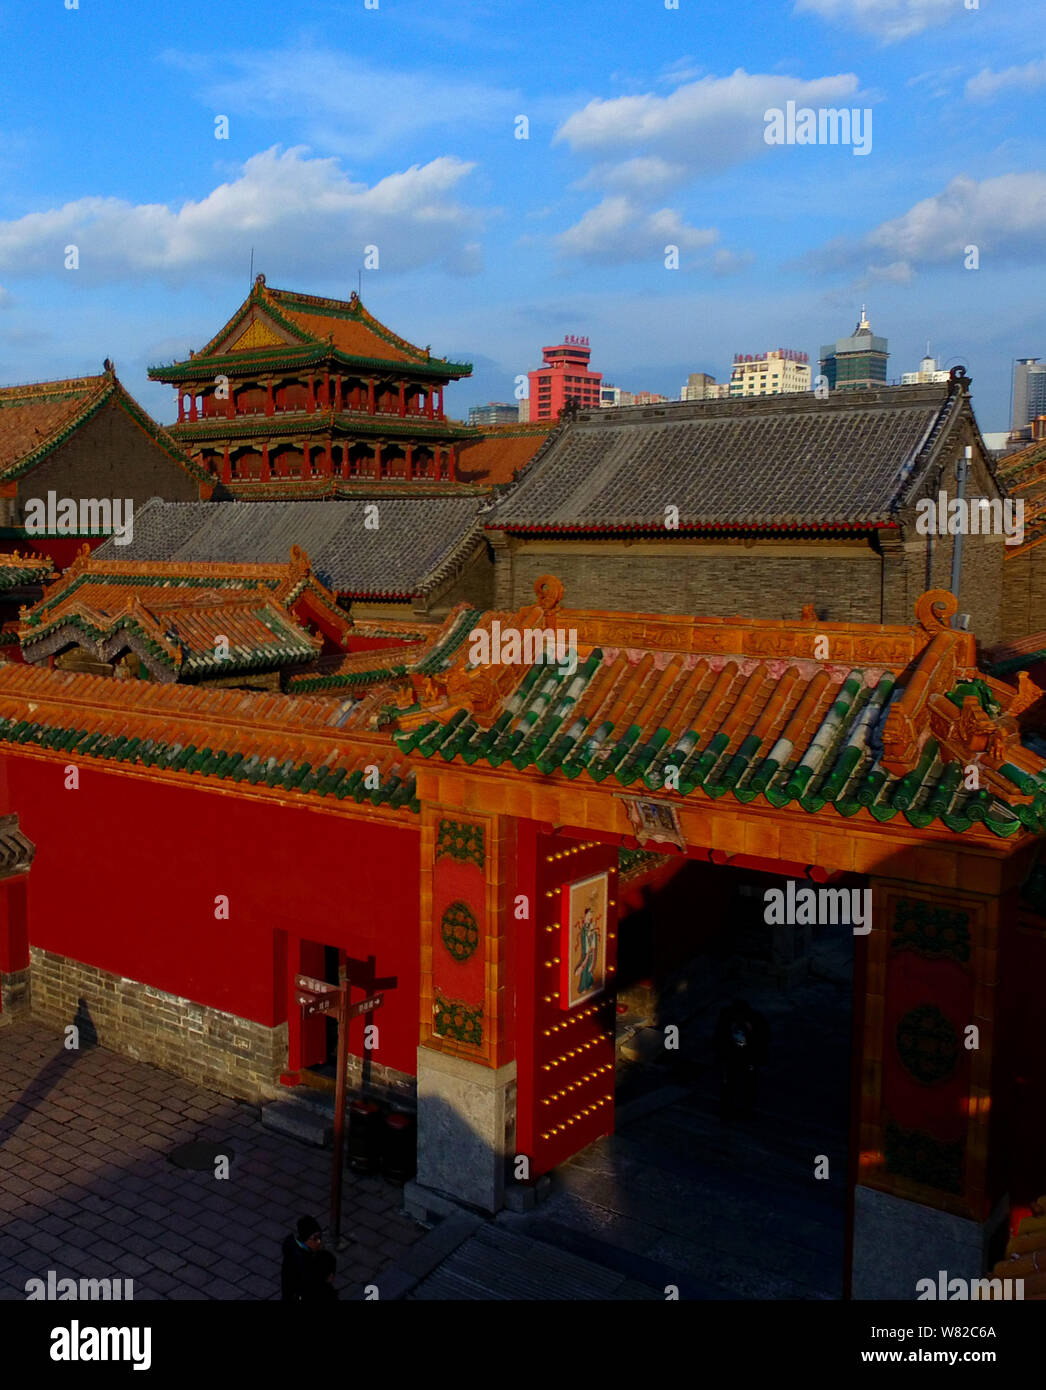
(932, 931)
(928, 1044)
(461, 841)
(454, 1019)
(460, 931)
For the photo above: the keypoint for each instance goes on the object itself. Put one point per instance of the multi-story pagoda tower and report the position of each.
(298, 395)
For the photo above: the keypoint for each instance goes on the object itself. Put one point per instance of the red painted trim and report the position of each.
(694, 529)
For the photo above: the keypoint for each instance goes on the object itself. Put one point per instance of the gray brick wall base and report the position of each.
(234, 1056)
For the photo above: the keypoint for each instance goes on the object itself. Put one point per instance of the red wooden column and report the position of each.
(226, 467)
(439, 408)
(193, 414)
(428, 403)
(370, 395)
(437, 461)
(326, 389)
(410, 460)
(181, 407)
(466, 1056)
(270, 403)
(452, 466)
(266, 470)
(311, 402)
(337, 393)
(377, 458)
(328, 459)
(403, 398)
(930, 1127)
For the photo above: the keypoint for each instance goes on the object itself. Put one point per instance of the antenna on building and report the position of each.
(250, 281)
(359, 284)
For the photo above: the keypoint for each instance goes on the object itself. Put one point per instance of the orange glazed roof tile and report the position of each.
(301, 321)
(500, 454)
(287, 747)
(36, 419)
(31, 416)
(185, 621)
(880, 722)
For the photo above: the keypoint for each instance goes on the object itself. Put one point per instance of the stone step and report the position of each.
(298, 1120)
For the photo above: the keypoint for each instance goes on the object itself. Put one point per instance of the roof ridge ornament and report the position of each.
(928, 608)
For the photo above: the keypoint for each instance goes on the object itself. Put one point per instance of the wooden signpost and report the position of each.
(318, 998)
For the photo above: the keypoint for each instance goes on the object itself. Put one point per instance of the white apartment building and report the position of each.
(774, 373)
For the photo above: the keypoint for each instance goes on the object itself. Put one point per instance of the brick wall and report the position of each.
(218, 1050)
(1024, 594)
(14, 992)
(760, 581)
(845, 583)
(234, 1056)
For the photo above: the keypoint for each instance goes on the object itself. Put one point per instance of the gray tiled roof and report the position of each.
(782, 460)
(418, 540)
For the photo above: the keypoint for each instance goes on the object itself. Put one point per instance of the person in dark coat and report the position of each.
(300, 1252)
(742, 1044)
(319, 1283)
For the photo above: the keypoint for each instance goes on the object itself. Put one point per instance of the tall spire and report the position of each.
(864, 326)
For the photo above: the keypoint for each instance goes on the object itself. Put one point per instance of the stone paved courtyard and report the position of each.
(86, 1188)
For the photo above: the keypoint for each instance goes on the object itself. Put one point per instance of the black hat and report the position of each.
(307, 1226)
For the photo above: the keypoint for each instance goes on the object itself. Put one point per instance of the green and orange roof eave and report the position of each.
(878, 740)
(311, 350)
(256, 743)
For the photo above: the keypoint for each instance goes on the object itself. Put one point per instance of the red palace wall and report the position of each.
(127, 871)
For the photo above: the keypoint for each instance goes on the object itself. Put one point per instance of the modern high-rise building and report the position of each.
(494, 413)
(857, 362)
(564, 375)
(1029, 391)
(774, 373)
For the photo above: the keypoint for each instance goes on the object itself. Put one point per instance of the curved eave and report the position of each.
(316, 422)
(999, 828)
(308, 355)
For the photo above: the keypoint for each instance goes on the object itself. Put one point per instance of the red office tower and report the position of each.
(564, 375)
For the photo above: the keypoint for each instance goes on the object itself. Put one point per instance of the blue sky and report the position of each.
(395, 126)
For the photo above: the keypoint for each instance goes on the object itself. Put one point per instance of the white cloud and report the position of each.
(701, 128)
(1004, 217)
(888, 20)
(299, 213)
(617, 230)
(644, 147)
(343, 103)
(988, 84)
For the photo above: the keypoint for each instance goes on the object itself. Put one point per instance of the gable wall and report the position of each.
(110, 456)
